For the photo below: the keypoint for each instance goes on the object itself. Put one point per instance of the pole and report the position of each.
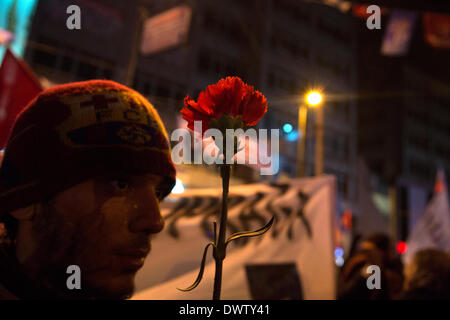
(394, 211)
(301, 144)
(319, 141)
(135, 47)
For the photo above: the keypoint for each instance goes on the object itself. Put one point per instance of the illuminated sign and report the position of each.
(166, 30)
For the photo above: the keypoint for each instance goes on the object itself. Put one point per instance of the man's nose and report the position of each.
(146, 216)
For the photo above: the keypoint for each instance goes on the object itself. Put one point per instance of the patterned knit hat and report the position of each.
(74, 132)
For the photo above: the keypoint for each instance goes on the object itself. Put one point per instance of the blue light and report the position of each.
(292, 136)
(339, 261)
(339, 252)
(20, 13)
(287, 128)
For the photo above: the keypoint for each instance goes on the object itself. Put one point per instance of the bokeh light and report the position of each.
(313, 98)
(401, 247)
(179, 187)
(287, 128)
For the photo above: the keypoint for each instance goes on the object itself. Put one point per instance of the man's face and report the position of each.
(102, 225)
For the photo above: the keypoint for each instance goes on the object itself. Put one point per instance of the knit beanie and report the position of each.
(74, 132)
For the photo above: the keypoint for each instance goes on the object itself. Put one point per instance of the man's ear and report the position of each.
(25, 213)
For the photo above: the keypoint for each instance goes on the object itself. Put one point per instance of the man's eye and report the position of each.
(120, 185)
(159, 193)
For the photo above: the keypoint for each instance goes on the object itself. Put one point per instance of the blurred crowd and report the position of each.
(426, 276)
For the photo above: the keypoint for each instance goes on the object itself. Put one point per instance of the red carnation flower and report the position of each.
(228, 104)
(230, 96)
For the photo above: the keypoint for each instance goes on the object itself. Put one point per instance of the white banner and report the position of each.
(294, 260)
(433, 229)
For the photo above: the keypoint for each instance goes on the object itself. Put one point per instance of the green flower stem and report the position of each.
(220, 249)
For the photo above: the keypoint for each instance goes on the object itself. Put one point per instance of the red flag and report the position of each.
(18, 86)
(360, 11)
(437, 30)
(439, 185)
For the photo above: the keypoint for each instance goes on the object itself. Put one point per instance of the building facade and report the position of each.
(403, 123)
(100, 49)
(282, 47)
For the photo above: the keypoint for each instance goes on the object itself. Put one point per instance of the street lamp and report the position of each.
(313, 100)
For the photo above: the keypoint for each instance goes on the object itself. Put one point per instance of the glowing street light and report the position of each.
(313, 98)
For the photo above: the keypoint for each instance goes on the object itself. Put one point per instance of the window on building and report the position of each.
(442, 150)
(280, 41)
(333, 31)
(225, 27)
(419, 142)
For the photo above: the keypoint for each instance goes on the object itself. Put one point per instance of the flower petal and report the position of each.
(228, 96)
(205, 103)
(188, 102)
(191, 115)
(254, 107)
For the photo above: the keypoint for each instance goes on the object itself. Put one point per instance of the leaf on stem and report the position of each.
(247, 234)
(200, 273)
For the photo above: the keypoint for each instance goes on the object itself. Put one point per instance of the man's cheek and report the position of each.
(77, 202)
(100, 236)
(115, 212)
